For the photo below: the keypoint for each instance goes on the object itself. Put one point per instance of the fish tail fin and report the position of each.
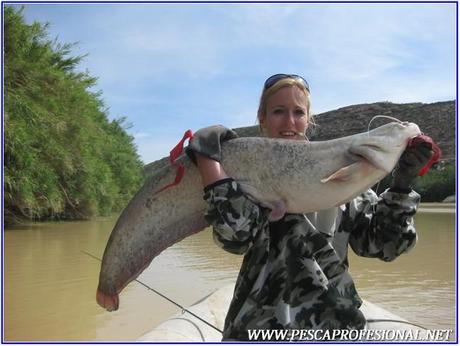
(108, 302)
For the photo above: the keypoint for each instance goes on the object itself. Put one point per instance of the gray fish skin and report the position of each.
(284, 175)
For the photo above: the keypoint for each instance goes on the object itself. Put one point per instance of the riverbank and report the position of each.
(448, 208)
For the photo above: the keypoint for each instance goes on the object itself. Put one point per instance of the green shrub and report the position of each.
(437, 184)
(64, 159)
(434, 186)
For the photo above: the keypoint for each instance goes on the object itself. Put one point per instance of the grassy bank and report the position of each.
(64, 158)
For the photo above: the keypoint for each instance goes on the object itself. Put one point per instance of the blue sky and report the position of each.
(171, 67)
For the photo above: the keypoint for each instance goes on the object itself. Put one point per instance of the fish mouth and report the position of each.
(384, 148)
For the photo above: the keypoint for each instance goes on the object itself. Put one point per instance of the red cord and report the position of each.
(436, 151)
(173, 155)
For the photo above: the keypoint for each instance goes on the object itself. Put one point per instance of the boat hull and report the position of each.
(184, 327)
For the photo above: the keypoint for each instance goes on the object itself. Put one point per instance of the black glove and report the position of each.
(207, 142)
(412, 160)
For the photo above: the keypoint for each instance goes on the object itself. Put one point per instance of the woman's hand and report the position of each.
(411, 162)
(205, 151)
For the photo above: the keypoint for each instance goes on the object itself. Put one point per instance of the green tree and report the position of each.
(437, 184)
(63, 157)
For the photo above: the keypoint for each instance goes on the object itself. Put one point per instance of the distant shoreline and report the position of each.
(448, 208)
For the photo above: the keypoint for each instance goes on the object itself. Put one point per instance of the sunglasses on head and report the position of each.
(277, 77)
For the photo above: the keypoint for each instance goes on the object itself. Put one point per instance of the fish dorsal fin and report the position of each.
(345, 173)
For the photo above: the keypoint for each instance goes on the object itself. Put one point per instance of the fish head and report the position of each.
(383, 146)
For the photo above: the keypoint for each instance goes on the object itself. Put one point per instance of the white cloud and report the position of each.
(141, 135)
(153, 150)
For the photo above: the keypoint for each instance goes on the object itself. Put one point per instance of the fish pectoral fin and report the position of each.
(278, 207)
(345, 173)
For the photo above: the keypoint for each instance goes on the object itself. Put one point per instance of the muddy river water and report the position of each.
(50, 283)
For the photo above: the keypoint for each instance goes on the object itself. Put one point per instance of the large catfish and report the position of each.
(284, 175)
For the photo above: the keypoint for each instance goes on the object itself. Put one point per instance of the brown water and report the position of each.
(49, 284)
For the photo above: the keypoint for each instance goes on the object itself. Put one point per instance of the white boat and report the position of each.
(184, 327)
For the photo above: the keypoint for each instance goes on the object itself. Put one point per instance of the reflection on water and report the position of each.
(50, 284)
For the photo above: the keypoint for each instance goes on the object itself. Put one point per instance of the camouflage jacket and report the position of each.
(294, 273)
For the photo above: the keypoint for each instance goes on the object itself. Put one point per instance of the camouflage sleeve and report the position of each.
(382, 227)
(234, 217)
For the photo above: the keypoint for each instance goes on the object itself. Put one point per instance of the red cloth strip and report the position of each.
(173, 155)
(434, 146)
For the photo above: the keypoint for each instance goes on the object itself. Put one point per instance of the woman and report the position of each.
(295, 271)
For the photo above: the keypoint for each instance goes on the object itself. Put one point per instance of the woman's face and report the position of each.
(286, 114)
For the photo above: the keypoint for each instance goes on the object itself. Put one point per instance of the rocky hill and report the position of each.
(436, 120)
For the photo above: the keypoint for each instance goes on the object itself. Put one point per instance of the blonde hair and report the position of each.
(285, 82)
